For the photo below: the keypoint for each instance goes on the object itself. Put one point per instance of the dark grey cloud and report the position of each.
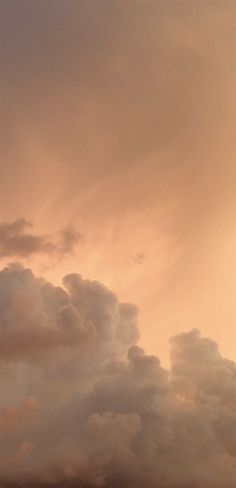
(16, 240)
(83, 405)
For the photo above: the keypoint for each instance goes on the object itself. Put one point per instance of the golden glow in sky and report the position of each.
(117, 143)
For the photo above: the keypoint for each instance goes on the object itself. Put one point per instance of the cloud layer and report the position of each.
(83, 405)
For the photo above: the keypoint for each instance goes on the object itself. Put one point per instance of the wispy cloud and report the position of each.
(17, 240)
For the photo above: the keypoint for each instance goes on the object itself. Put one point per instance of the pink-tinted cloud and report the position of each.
(98, 411)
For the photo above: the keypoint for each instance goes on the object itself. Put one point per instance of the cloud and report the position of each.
(139, 258)
(123, 113)
(69, 238)
(17, 241)
(83, 405)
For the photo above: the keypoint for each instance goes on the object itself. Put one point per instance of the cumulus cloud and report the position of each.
(16, 240)
(83, 405)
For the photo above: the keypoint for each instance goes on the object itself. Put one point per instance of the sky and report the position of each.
(119, 118)
(117, 158)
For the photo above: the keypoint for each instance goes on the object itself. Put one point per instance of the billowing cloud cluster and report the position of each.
(17, 241)
(83, 405)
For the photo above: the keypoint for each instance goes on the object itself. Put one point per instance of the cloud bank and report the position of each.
(83, 405)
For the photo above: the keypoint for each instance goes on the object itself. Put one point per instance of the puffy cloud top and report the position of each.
(83, 405)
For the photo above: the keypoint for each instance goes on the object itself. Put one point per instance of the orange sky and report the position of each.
(119, 118)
